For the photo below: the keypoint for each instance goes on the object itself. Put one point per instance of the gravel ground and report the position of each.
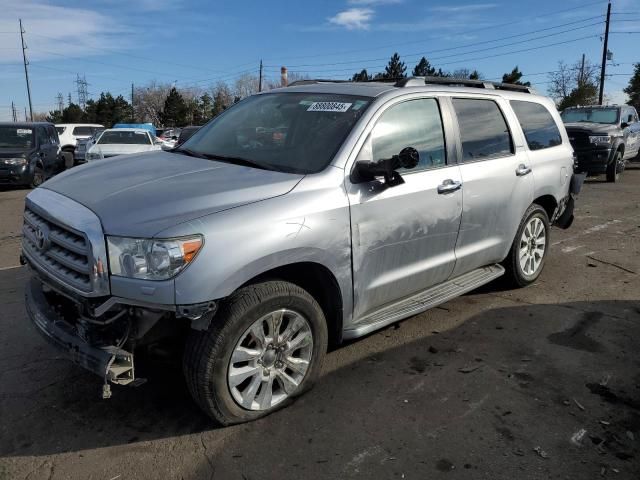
(537, 383)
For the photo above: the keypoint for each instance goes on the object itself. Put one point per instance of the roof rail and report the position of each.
(311, 81)
(418, 81)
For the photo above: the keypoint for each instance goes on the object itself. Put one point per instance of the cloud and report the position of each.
(464, 8)
(374, 2)
(353, 18)
(78, 31)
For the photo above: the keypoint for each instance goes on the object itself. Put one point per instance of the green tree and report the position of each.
(362, 76)
(72, 114)
(175, 109)
(633, 89)
(395, 68)
(584, 94)
(55, 116)
(514, 77)
(475, 75)
(205, 110)
(423, 69)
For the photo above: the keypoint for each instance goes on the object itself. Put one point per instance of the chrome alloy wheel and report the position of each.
(532, 246)
(270, 360)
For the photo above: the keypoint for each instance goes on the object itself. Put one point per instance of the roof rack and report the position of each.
(311, 81)
(418, 81)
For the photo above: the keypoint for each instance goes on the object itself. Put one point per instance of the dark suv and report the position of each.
(29, 153)
(603, 137)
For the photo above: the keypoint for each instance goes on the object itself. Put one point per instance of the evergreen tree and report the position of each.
(475, 75)
(73, 114)
(633, 89)
(423, 69)
(363, 76)
(205, 110)
(175, 109)
(395, 68)
(514, 77)
(584, 94)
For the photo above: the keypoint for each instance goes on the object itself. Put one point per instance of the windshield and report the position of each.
(124, 137)
(288, 132)
(595, 115)
(16, 137)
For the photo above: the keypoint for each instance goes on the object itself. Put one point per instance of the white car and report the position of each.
(70, 133)
(122, 141)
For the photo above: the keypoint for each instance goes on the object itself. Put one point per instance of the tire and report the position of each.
(38, 177)
(613, 173)
(516, 272)
(212, 377)
(68, 159)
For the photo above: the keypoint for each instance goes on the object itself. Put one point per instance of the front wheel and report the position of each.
(38, 177)
(264, 347)
(615, 168)
(529, 249)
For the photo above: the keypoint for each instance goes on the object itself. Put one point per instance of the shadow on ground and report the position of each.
(482, 397)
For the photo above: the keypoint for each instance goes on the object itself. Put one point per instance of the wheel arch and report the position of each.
(321, 284)
(549, 203)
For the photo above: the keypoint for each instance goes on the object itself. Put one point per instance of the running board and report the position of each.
(422, 301)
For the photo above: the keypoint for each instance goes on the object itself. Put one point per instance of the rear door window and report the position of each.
(540, 130)
(414, 123)
(83, 131)
(43, 138)
(483, 130)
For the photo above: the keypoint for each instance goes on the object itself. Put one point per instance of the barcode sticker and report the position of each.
(329, 107)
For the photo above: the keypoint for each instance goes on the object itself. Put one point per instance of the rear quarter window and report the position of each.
(539, 127)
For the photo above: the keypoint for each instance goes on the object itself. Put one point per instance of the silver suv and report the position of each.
(297, 219)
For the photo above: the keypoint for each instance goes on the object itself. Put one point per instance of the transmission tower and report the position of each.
(60, 100)
(81, 84)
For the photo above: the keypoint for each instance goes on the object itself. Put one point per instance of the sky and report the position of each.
(192, 43)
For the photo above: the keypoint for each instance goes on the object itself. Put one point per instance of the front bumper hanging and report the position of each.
(111, 363)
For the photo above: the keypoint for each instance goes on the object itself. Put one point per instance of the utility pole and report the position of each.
(26, 71)
(132, 109)
(604, 54)
(260, 78)
(26, 119)
(14, 113)
(581, 78)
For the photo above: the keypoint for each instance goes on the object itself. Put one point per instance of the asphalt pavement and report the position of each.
(537, 383)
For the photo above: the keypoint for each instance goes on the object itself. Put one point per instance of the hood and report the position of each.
(593, 128)
(141, 195)
(122, 149)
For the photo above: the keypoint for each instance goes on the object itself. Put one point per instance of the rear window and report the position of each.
(538, 125)
(16, 137)
(83, 131)
(483, 129)
(124, 137)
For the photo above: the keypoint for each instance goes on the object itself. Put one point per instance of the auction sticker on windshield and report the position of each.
(24, 131)
(339, 107)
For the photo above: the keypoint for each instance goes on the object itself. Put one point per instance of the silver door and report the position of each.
(497, 182)
(403, 237)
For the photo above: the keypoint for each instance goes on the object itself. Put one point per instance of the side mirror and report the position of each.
(624, 125)
(366, 171)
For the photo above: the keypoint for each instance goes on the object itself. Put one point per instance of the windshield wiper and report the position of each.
(189, 152)
(235, 160)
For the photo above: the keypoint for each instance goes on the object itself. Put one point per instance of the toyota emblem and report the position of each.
(42, 238)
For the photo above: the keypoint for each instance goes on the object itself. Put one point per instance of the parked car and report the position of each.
(144, 126)
(70, 134)
(29, 153)
(186, 133)
(298, 218)
(122, 141)
(604, 137)
(84, 145)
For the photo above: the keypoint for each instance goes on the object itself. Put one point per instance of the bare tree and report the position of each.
(245, 85)
(149, 101)
(568, 81)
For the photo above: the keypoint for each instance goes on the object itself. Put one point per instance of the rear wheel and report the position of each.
(529, 249)
(264, 347)
(68, 159)
(615, 168)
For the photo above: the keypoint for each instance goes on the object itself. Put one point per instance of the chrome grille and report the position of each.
(62, 252)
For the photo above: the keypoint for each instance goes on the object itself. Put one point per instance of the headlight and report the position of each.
(151, 259)
(604, 139)
(14, 161)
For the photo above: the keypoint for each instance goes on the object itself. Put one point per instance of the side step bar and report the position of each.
(424, 300)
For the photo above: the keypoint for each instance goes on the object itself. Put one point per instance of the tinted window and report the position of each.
(290, 132)
(15, 137)
(538, 125)
(416, 124)
(124, 137)
(483, 129)
(43, 138)
(53, 136)
(83, 131)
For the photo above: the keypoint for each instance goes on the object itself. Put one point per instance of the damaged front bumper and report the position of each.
(110, 362)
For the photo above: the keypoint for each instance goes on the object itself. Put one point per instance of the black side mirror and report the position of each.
(366, 171)
(624, 125)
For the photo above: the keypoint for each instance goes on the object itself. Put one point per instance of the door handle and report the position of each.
(449, 186)
(522, 170)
